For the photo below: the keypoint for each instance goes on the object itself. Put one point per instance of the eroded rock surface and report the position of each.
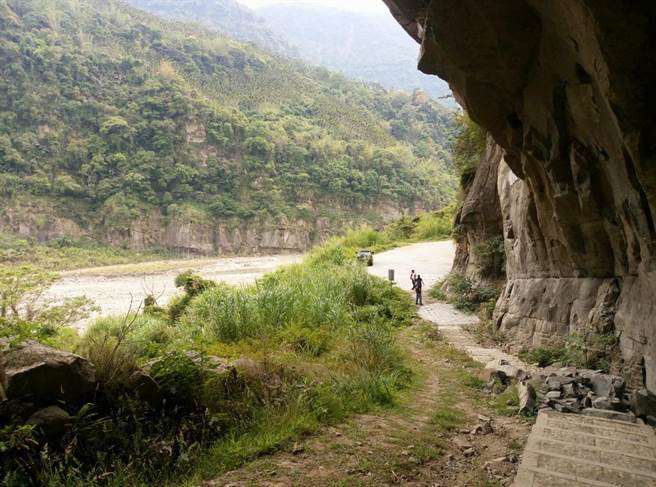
(479, 222)
(563, 87)
(41, 373)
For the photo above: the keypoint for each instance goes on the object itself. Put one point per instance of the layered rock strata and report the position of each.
(563, 87)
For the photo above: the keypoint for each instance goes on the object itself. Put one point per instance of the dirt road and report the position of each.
(113, 288)
(432, 260)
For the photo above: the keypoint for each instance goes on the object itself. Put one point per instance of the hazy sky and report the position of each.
(356, 5)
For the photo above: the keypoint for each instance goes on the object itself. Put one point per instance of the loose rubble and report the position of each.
(572, 390)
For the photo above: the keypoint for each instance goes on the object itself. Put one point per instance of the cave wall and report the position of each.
(478, 223)
(563, 87)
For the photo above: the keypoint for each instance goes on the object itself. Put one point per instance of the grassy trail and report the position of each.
(414, 443)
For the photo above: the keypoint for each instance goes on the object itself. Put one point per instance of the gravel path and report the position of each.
(432, 260)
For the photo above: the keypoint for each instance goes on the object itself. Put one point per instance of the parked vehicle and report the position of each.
(366, 257)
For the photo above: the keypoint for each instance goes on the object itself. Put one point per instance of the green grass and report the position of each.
(436, 225)
(67, 254)
(506, 403)
(312, 344)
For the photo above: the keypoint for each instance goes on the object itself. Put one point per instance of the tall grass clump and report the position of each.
(308, 296)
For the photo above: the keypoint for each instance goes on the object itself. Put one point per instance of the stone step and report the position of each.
(638, 461)
(572, 450)
(553, 419)
(602, 433)
(591, 440)
(537, 477)
(615, 474)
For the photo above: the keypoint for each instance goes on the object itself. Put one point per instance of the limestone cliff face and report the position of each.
(563, 87)
(186, 232)
(184, 229)
(478, 224)
(195, 235)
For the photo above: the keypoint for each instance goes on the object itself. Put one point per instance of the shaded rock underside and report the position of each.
(563, 88)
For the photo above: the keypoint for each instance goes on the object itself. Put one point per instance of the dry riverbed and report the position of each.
(117, 289)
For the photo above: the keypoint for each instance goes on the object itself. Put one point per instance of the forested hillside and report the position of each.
(145, 133)
(226, 16)
(367, 46)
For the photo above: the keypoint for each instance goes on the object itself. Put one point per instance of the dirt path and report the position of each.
(427, 439)
(113, 288)
(432, 260)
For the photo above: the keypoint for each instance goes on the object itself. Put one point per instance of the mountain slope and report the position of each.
(226, 16)
(366, 46)
(135, 131)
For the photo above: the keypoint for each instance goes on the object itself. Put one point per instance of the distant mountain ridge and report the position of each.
(364, 46)
(226, 16)
(368, 47)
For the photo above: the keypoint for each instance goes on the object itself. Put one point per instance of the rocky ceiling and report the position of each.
(564, 87)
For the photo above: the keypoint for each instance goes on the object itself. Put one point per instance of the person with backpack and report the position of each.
(417, 288)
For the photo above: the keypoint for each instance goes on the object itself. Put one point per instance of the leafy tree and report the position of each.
(144, 113)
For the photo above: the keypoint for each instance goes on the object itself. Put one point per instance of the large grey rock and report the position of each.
(479, 221)
(505, 369)
(553, 395)
(527, 398)
(643, 403)
(556, 382)
(568, 100)
(53, 421)
(601, 403)
(604, 384)
(47, 375)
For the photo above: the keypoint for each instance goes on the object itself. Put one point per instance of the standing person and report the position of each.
(412, 278)
(419, 284)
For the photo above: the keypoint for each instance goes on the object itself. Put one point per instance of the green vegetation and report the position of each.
(309, 345)
(491, 257)
(425, 227)
(465, 294)
(64, 253)
(507, 402)
(227, 16)
(147, 117)
(25, 314)
(467, 150)
(587, 348)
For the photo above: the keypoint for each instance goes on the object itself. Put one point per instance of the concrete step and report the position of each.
(572, 450)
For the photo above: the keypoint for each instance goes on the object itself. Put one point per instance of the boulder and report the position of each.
(643, 403)
(47, 375)
(570, 390)
(556, 382)
(484, 426)
(552, 395)
(605, 384)
(505, 369)
(601, 403)
(527, 397)
(53, 421)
